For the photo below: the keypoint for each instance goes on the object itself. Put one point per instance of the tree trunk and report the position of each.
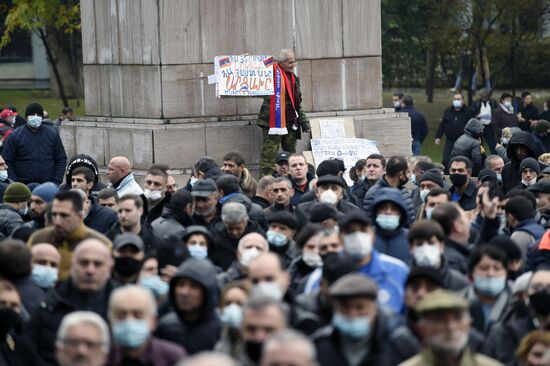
(430, 73)
(55, 70)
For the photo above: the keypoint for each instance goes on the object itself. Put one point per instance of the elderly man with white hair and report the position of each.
(288, 347)
(132, 315)
(82, 339)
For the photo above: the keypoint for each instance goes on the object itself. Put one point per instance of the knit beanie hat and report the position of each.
(529, 163)
(542, 126)
(433, 175)
(17, 192)
(34, 108)
(46, 191)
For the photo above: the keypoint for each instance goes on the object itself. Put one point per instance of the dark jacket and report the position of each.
(296, 198)
(9, 220)
(151, 241)
(313, 303)
(171, 222)
(260, 201)
(158, 353)
(419, 127)
(223, 252)
(371, 195)
(59, 302)
(528, 113)
(203, 334)
(391, 343)
(255, 211)
(233, 273)
(298, 271)
(100, 218)
(35, 157)
(502, 119)
(504, 338)
(287, 253)
(511, 176)
(82, 160)
(303, 210)
(467, 199)
(456, 255)
(498, 310)
(31, 294)
(469, 145)
(453, 122)
(360, 189)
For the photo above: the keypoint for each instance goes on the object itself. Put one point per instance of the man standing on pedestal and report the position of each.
(281, 116)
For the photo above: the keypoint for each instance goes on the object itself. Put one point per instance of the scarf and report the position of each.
(277, 103)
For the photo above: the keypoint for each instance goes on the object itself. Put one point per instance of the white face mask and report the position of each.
(247, 255)
(529, 182)
(152, 195)
(268, 289)
(424, 194)
(312, 259)
(429, 212)
(427, 255)
(3, 174)
(329, 197)
(397, 104)
(457, 103)
(358, 244)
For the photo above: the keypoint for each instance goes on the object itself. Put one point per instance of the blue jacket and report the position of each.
(531, 227)
(390, 275)
(100, 218)
(419, 127)
(393, 243)
(35, 156)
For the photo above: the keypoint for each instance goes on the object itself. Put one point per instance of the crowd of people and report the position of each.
(415, 263)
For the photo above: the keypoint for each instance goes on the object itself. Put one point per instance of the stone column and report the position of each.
(146, 64)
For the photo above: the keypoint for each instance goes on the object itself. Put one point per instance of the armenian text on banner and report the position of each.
(244, 75)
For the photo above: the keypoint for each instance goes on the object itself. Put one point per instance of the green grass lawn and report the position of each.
(21, 98)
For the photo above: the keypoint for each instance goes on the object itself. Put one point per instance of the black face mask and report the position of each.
(458, 180)
(127, 266)
(402, 182)
(540, 302)
(254, 350)
(9, 320)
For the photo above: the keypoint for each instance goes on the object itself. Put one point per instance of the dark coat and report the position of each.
(511, 176)
(9, 220)
(419, 127)
(255, 211)
(82, 160)
(31, 294)
(151, 241)
(390, 344)
(504, 338)
(453, 122)
(371, 195)
(501, 119)
(456, 255)
(100, 218)
(303, 210)
(35, 157)
(171, 222)
(233, 273)
(59, 302)
(469, 145)
(155, 212)
(203, 334)
(468, 198)
(528, 113)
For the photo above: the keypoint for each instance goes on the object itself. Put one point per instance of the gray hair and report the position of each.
(260, 302)
(283, 180)
(489, 160)
(291, 336)
(208, 359)
(121, 291)
(234, 213)
(284, 55)
(264, 242)
(84, 317)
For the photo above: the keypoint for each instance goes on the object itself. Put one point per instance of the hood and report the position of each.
(526, 139)
(474, 127)
(81, 160)
(203, 272)
(213, 173)
(391, 195)
(241, 198)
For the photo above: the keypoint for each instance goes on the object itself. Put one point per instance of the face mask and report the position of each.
(328, 197)
(427, 255)
(540, 302)
(9, 320)
(127, 266)
(507, 104)
(397, 104)
(457, 103)
(529, 182)
(429, 211)
(23, 211)
(404, 181)
(276, 239)
(254, 350)
(361, 178)
(499, 178)
(3, 174)
(312, 259)
(505, 140)
(388, 222)
(413, 179)
(490, 286)
(458, 180)
(268, 289)
(34, 121)
(197, 251)
(232, 316)
(155, 284)
(358, 244)
(44, 276)
(356, 327)
(193, 181)
(152, 195)
(131, 333)
(424, 194)
(247, 255)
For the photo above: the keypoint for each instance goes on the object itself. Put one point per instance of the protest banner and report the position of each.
(244, 75)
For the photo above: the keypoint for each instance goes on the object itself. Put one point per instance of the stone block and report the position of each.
(150, 32)
(268, 26)
(249, 105)
(89, 54)
(142, 141)
(67, 134)
(114, 31)
(318, 28)
(146, 89)
(304, 72)
(120, 143)
(104, 90)
(91, 140)
(362, 28)
(222, 28)
(223, 139)
(392, 135)
(91, 89)
(104, 31)
(125, 17)
(179, 148)
(180, 32)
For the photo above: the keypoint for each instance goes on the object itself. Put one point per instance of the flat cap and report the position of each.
(283, 217)
(354, 285)
(429, 273)
(330, 179)
(542, 186)
(204, 188)
(121, 240)
(319, 212)
(441, 300)
(353, 217)
(487, 175)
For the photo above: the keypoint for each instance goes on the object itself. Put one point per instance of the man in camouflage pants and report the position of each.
(294, 118)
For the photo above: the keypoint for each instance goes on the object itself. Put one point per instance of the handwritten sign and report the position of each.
(244, 75)
(332, 128)
(348, 149)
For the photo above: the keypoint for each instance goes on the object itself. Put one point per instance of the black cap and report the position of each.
(196, 229)
(283, 217)
(121, 240)
(530, 163)
(283, 156)
(355, 216)
(425, 272)
(433, 175)
(34, 108)
(336, 265)
(204, 188)
(354, 285)
(487, 175)
(330, 179)
(319, 212)
(542, 186)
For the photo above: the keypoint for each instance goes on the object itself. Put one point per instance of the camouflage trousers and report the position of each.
(270, 149)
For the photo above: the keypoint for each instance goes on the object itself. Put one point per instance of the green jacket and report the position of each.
(263, 117)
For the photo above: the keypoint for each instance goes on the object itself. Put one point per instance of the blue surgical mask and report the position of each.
(356, 327)
(276, 239)
(505, 140)
(193, 181)
(155, 284)
(34, 121)
(499, 178)
(413, 179)
(388, 222)
(232, 316)
(490, 286)
(23, 211)
(429, 211)
(457, 103)
(3, 174)
(131, 333)
(197, 251)
(44, 276)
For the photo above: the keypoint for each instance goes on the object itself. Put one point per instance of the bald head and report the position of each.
(45, 254)
(253, 240)
(118, 168)
(267, 267)
(91, 265)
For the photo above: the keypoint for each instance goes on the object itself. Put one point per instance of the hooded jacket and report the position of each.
(171, 222)
(100, 218)
(393, 243)
(469, 144)
(202, 334)
(10, 220)
(82, 160)
(511, 177)
(382, 183)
